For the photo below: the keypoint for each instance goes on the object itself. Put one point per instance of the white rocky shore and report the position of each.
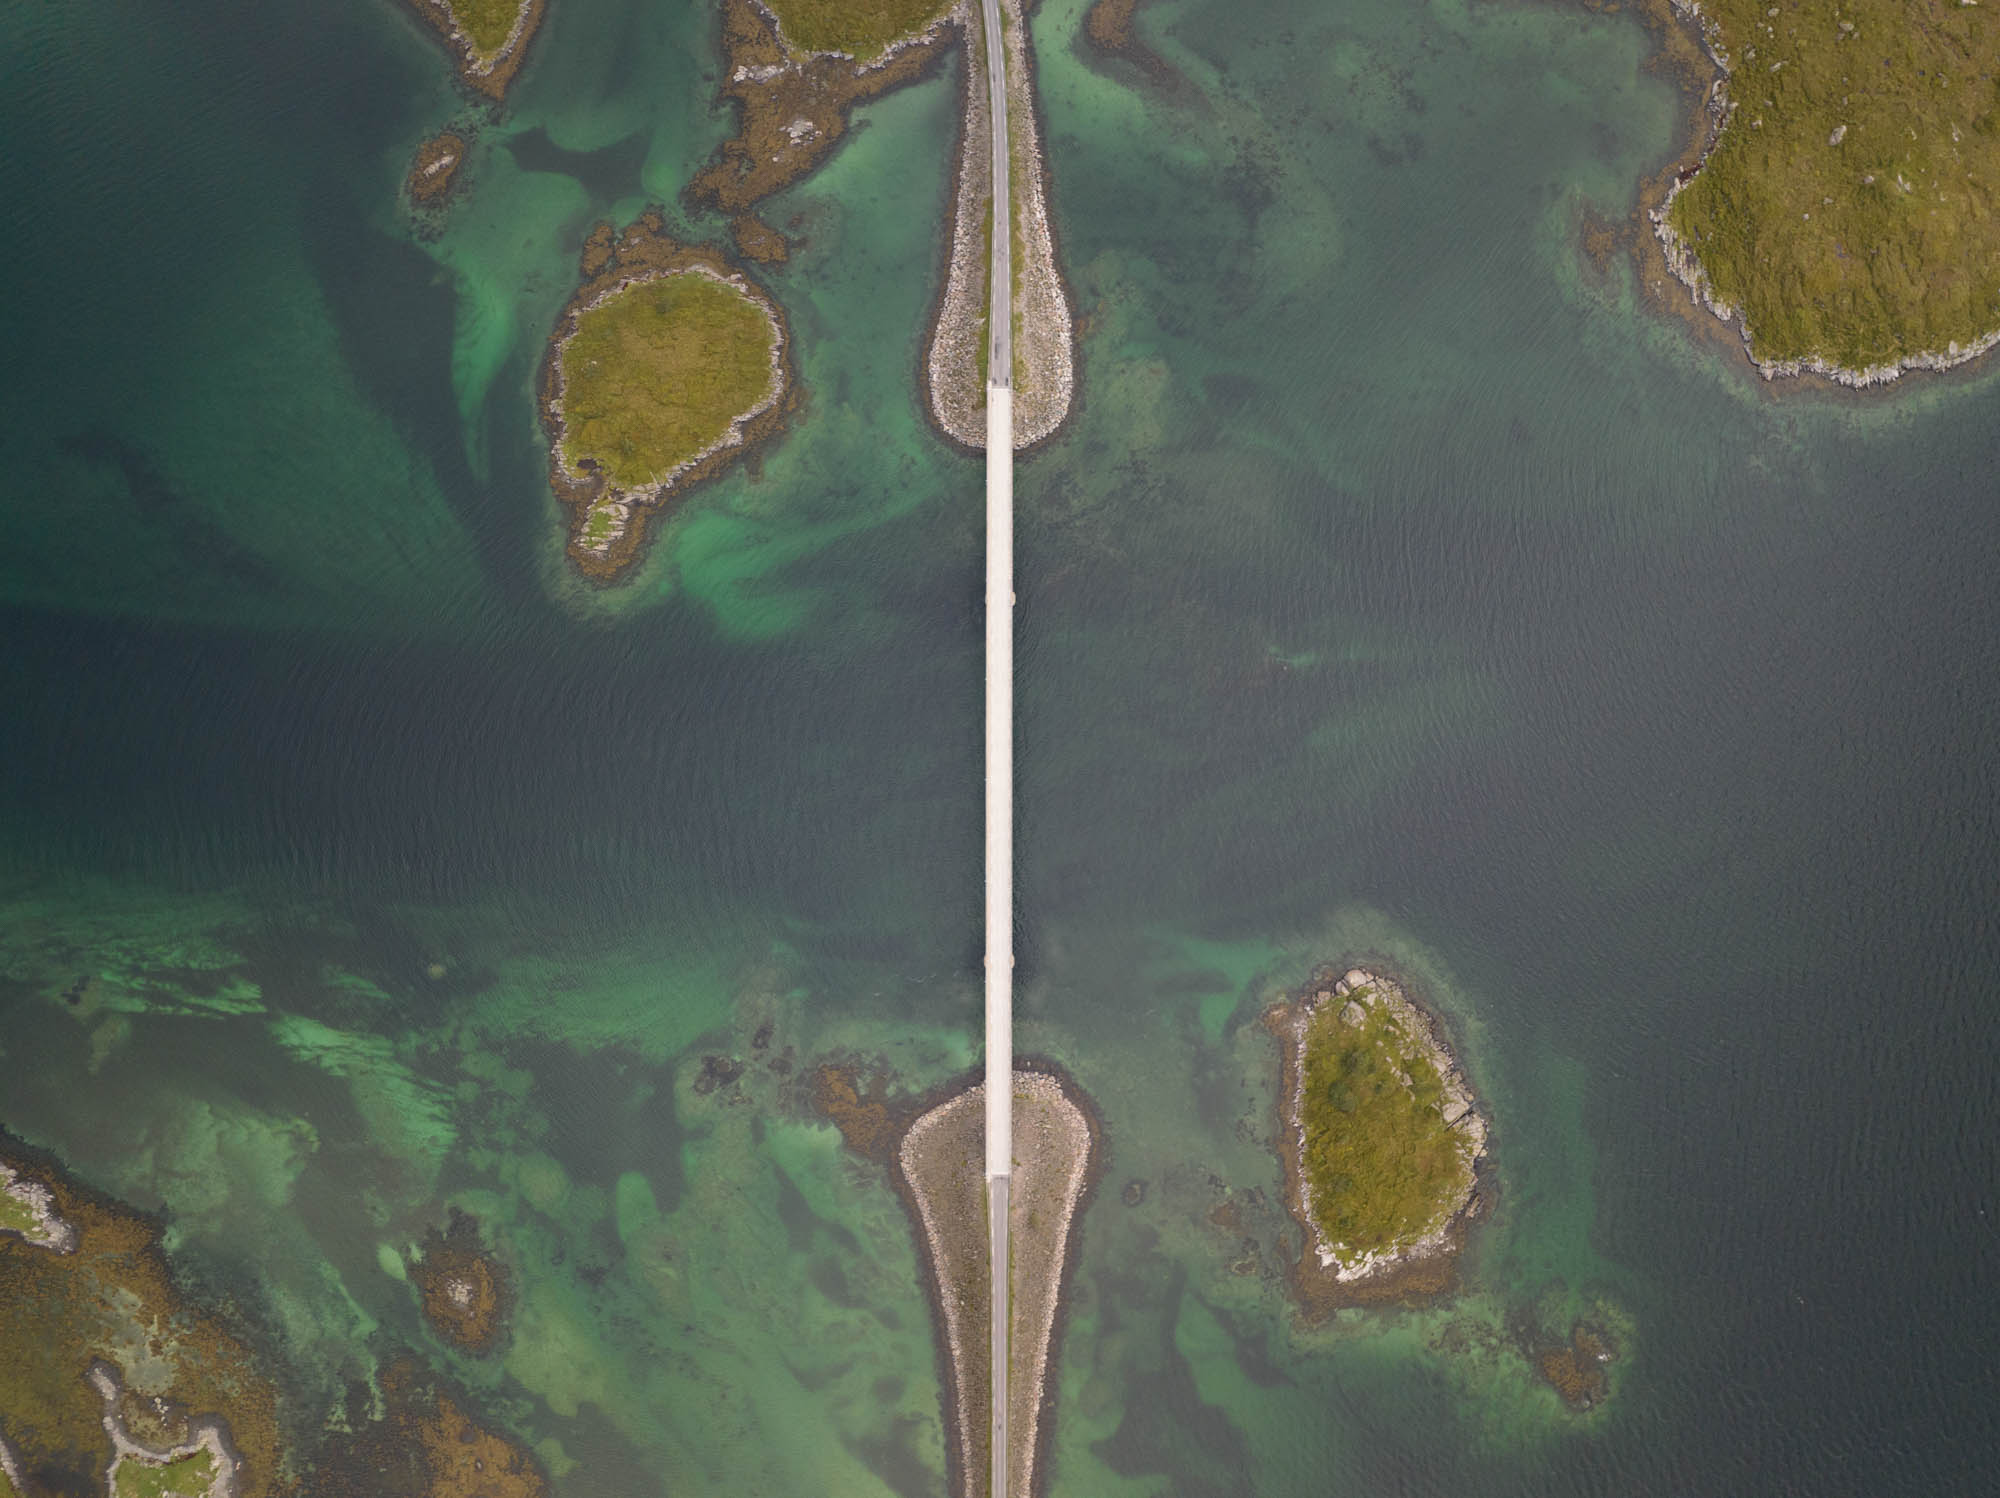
(204, 1436)
(1357, 992)
(45, 1228)
(1687, 268)
(1044, 335)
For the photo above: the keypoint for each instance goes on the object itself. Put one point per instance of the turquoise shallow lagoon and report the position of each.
(1402, 587)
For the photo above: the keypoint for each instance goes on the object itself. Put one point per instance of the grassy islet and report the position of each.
(1381, 1166)
(486, 23)
(17, 1215)
(190, 1476)
(655, 374)
(863, 29)
(1848, 206)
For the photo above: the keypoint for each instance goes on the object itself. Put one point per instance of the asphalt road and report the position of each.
(999, 739)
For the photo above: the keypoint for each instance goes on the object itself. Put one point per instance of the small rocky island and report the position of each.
(1381, 1140)
(667, 365)
(436, 169)
(488, 41)
(1837, 208)
(466, 1294)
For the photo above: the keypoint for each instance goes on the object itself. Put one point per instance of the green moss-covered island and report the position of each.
(195, 1474)
(1842, 210)
(860, 29)
(488, 38)
(1381, 1138)
(667, 365)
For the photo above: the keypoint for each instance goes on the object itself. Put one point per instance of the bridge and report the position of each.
(999, 734)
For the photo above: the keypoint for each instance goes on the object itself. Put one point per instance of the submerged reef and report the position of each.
(488, 39)
(1572, 1344)
(667, 366)
(1111, 32)
(1837, 204)
(423, 1445)
(465, 1292)
(1579, 1369)
(110, 1368)
(1381, 1141)
(869, 1120)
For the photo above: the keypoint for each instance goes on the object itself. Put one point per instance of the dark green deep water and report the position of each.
(1401, 587)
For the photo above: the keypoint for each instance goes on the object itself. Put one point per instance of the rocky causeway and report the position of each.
(939, 1169)
(1044, 331)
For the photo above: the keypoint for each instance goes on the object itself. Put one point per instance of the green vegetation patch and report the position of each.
(656, 373)
(188, 1477)
(599, 525)
(486, 23)
(1380, 1164)
(1848, 206)
(17, 1214)
(863, 29)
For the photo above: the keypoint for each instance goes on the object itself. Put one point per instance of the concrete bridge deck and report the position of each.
(999, 743)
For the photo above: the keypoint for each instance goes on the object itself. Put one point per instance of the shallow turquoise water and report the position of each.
(1402, 587)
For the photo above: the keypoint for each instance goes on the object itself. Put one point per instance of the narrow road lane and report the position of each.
(999, 735)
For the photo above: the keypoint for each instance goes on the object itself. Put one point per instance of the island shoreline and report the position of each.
(1416, 1275)
(614, 265)
(493, 79)
(1710, 113)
